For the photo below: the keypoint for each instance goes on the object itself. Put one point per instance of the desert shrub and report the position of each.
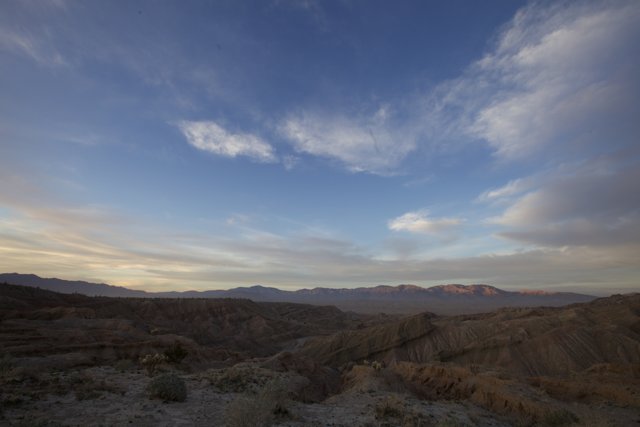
(389, 407)
(558, 418)
(241, 378)
(377, 366)
(246, 411)
(176, 353)
(151, 362)
(259, 410)
(392, 411)
(169, 387)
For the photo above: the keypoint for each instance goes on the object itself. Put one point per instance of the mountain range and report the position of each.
(401, 299)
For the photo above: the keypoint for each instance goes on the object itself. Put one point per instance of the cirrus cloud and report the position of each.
(560, 80)
(210, 136)
(362, 144)
(419, 222)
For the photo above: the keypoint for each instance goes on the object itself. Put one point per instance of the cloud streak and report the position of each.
(560, 78)
(419, 222)
(362, 144)
(211, 137)
(596, 204)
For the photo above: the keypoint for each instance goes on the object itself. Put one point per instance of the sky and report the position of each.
(172, 145)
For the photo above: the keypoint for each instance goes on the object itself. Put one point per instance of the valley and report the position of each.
(65, 356)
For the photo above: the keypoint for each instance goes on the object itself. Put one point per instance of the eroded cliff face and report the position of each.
(528, 366)
(527, 341)
(80, 329)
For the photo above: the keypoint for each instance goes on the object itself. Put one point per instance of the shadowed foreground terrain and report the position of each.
(69, 359)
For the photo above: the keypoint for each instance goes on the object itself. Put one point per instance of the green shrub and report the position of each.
(168, 387)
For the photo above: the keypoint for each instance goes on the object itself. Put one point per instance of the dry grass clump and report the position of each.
(168, 387)
(152, 362)
(390, 407)
(260, 409)
(24, 384)
(393, 411)
(241, 378)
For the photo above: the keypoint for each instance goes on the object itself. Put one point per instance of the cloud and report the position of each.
(94, 246)
(593, 204)
(507, 191)
(419, 222)
(363, 144)
(211, 137)
(560, 80)
(36, 48)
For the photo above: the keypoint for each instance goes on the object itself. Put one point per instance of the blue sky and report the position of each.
(202, 145)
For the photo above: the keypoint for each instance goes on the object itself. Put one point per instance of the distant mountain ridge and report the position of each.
(405, 298)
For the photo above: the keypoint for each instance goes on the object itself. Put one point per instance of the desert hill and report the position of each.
(527, 341)
(402, 299)
(66, 359)
(39, 322)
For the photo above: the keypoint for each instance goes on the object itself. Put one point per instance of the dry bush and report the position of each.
(241, 378)
(392, 410)
(151, 362)
(377, 366)
(258, 410)
(390, 407)
(168, 387)
(176, 353)
(247, 411)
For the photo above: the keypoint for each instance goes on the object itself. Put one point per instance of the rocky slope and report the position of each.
(38, 322)
(528, 341)
(69, 359)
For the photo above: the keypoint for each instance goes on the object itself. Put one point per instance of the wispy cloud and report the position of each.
(362, 144)
(561, 78)
(509, 190)
(419, 222)
(210, 136)
(38, 49)
(592, 206)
